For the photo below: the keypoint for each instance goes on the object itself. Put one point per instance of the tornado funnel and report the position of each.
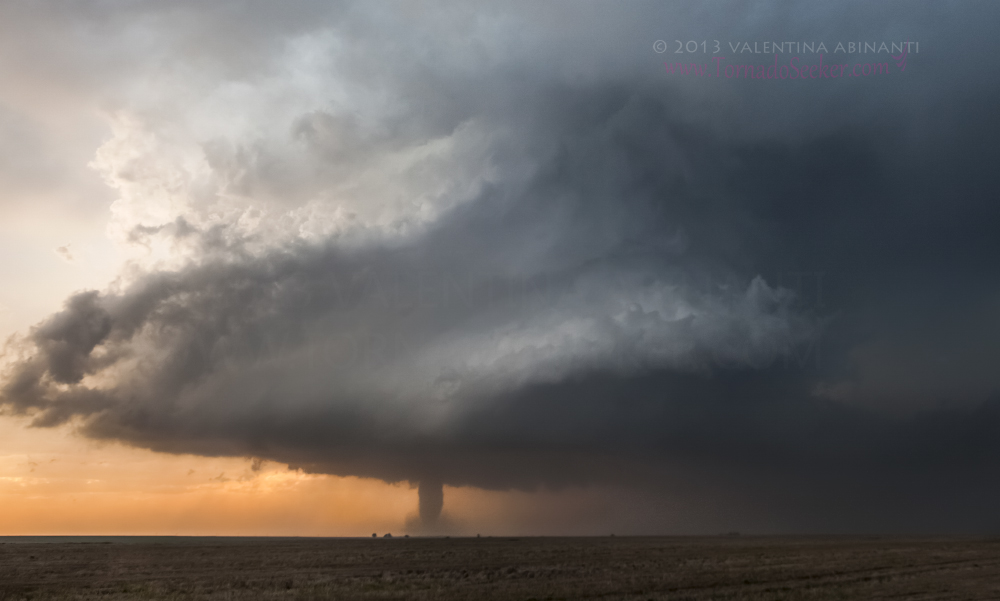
(431, 494)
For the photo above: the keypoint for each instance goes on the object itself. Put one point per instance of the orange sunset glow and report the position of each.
(54, 483)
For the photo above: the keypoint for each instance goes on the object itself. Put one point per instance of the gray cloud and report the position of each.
(522, 257)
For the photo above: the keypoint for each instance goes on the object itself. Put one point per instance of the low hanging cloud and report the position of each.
(391, 344)
(526, 258)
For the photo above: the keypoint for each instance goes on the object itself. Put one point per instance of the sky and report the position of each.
(328, 268)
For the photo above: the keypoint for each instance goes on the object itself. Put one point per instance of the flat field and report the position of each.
(501, 568)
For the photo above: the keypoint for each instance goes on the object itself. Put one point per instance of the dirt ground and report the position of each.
(504, 568)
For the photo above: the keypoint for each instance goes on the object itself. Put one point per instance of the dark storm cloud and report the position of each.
(563, 248)
(786, 298)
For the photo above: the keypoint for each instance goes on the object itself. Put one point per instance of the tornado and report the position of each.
(431, 493)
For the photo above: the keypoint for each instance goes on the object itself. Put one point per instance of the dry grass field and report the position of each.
(737, 568)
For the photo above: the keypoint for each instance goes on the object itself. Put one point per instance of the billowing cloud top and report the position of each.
(500, 247)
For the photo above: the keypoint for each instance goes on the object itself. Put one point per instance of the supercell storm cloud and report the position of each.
(471, 245)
